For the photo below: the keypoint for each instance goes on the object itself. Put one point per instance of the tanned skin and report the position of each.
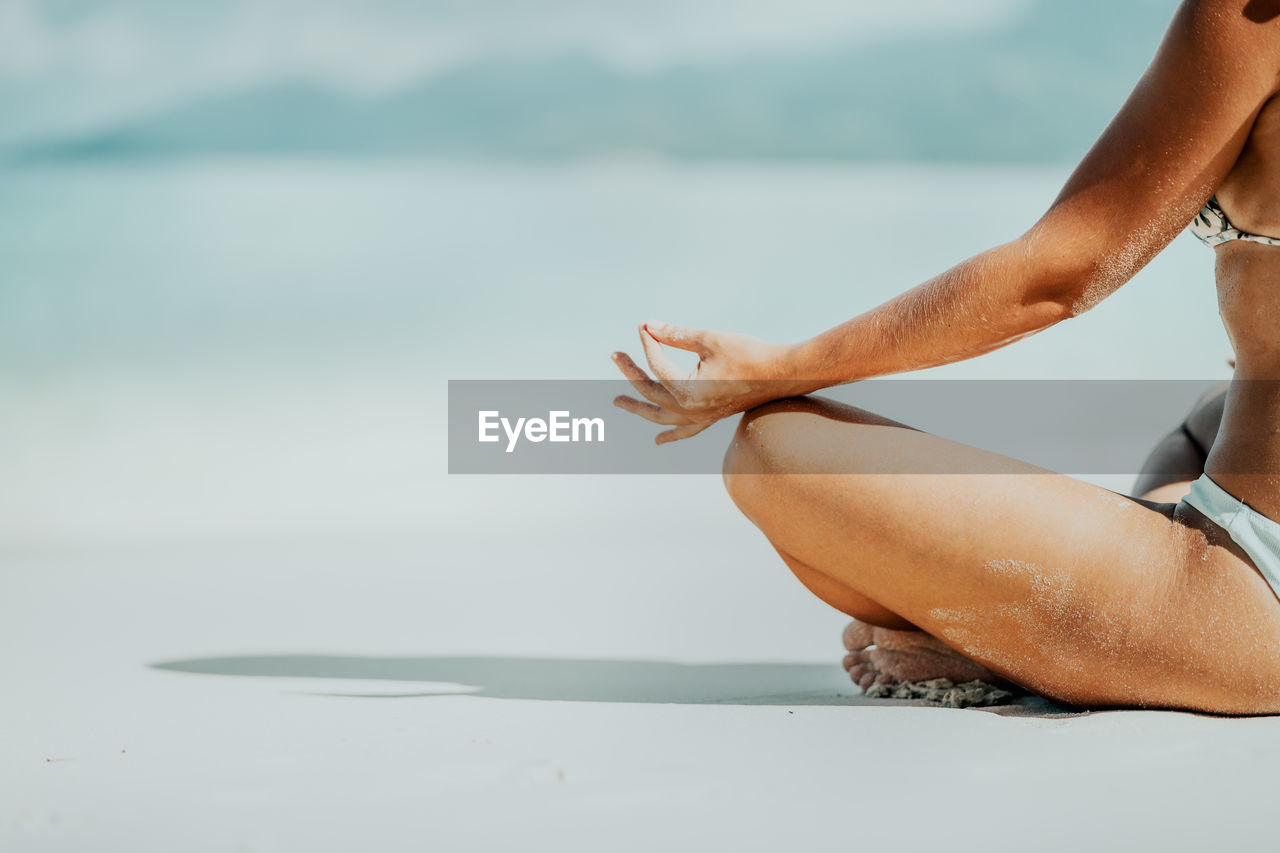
(1015, 572)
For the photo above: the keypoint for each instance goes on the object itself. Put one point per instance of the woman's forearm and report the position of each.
(975, 307)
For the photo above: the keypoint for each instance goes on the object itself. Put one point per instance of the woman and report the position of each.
(1178, 459)
(1050, 582)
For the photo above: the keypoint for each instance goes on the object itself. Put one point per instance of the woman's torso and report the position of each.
(1246, 455)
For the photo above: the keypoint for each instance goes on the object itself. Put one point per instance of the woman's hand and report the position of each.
(734, 373)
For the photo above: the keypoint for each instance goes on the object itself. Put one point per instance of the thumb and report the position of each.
(680, 337)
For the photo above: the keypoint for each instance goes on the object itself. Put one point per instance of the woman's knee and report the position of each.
(794, 435)
(751, 451)
(780, 437)
(761, 436)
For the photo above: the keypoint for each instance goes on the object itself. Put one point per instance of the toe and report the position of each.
(871, 677)
(858, 670)
(863, 671)
(857, 635)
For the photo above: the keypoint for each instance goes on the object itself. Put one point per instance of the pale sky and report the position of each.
(70, 64)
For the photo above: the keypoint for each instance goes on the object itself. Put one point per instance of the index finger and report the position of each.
(650, 390)
(663, 368)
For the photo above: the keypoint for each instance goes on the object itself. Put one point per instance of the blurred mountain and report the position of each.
(1039, 88)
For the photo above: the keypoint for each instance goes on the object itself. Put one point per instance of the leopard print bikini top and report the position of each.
(1213, 228)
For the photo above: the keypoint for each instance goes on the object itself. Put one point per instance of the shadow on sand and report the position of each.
(580, 680)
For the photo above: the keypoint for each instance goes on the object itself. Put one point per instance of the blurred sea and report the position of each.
(240, 348)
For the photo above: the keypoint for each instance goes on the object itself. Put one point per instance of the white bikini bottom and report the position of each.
(1257, 535)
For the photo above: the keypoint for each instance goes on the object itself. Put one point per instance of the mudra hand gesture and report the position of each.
(734, 373)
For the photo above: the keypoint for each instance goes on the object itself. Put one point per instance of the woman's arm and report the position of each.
(1162, 156)
(1155, 165)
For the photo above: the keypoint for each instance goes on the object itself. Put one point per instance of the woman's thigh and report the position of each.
(1067, 588)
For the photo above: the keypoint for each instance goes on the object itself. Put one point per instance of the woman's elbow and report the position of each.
(1050, 296)
(1083, 289)
(1066, 279)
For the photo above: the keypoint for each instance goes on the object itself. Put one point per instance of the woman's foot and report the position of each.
(885, 656)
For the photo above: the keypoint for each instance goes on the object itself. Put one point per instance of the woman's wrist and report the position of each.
(795, 369)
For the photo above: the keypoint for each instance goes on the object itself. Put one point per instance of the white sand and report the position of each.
(380, 658)
(347, 738)
(293, 518)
